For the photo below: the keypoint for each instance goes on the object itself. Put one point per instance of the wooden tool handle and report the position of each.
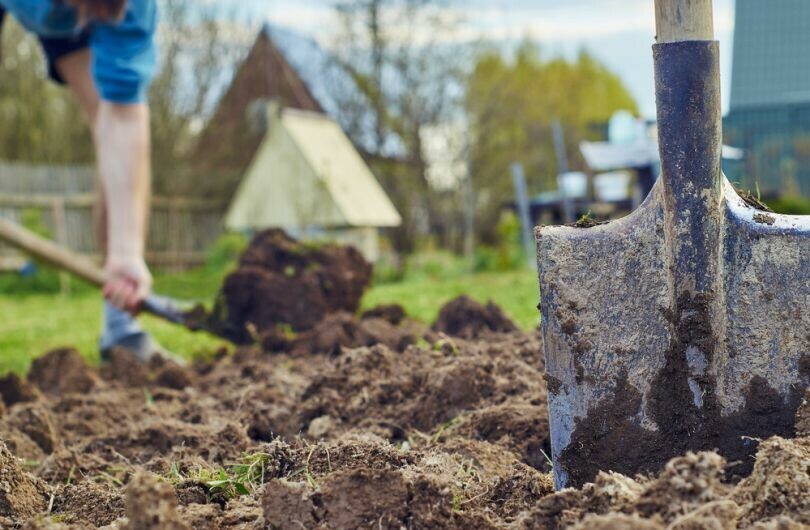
(683, 20)
(51, 253)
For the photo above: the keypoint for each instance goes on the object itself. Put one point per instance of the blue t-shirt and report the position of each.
(124, 53)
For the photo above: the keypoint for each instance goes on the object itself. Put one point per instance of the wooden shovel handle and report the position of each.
(683, 20)
(51, 253)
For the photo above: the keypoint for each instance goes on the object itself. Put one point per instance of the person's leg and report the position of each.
(119, 328)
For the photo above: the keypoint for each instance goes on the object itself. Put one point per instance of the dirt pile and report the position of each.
(284, 284)
(444, 433)
(466, 318)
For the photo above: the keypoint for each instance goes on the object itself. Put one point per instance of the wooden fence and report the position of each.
(60, 201)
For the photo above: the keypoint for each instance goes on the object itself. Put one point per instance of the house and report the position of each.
(769, 113)
(307, 178)
(282, 160)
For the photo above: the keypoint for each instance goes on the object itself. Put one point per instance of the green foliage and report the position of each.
(241, 478)
(508, 253)
(225, 252)
(38, 120)
(511, 107)
(791, 205)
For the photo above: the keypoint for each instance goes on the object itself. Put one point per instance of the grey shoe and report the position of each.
(142, 346)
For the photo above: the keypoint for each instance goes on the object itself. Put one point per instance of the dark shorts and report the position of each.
(56, 48)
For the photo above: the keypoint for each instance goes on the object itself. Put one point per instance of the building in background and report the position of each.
(307, 178)
(280, 157)
(769, 114)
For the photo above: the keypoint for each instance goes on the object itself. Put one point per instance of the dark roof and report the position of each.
(771, 53)
(228, 144)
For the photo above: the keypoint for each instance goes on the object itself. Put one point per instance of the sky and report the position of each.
(618, 32)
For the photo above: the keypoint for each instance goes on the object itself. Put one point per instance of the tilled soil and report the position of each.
(437, 432)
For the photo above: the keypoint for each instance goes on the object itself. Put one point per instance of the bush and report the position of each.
(226, 251)
(791, 205)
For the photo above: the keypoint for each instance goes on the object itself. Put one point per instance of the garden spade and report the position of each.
(686, 325)
(39, 247)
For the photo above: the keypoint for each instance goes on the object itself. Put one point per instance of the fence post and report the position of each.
(60, 234)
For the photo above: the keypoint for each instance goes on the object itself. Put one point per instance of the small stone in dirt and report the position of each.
(392, 313)
(466, 318)
(14, 389)
(319, 427)
(21, 495)
(151, 504)
(61, 372)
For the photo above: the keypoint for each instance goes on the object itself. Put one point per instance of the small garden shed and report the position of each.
(307, 178)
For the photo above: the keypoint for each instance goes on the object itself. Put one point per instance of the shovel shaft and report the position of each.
(82, 267)
(51, 253)
(683, 20)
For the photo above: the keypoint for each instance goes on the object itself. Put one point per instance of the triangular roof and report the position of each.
(308, 173)
(228, 143)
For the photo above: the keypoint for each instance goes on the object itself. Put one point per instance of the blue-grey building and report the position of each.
(769, 114)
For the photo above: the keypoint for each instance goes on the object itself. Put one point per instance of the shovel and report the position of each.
(159, 306)
(686, 325)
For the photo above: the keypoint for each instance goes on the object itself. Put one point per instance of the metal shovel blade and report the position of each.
(684, 326)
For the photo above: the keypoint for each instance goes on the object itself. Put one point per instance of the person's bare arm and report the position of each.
(123, 149)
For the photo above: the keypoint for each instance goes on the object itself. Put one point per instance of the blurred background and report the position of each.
(431, 134)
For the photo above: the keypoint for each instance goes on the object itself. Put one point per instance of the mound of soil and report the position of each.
(284, 284)
(466, 318)
(444, 433)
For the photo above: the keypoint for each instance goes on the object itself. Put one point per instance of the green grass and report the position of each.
(35, 323)
(515, 291)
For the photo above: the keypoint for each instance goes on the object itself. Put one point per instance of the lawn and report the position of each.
(35, 323)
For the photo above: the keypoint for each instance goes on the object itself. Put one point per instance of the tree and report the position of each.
(511, 107)
(405, 81)
(39, 121)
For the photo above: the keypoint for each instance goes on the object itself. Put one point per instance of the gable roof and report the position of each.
(308, 173)
(228, 144)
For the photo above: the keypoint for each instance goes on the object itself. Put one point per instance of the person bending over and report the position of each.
(104, 51)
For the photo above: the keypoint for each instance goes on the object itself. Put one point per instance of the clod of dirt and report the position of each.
(616, 521)
(38, 423)
(14, 389)
(779, 484)
(174, 376)
(686, 483)
(392, 313)
(21, 495)
(341, 330)
(753, 200)
(283, 283)
(61, 372)
(151, 504)
(124, 367)
(88, 503)
(722, 515)
(586, 221)
(466, 318)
